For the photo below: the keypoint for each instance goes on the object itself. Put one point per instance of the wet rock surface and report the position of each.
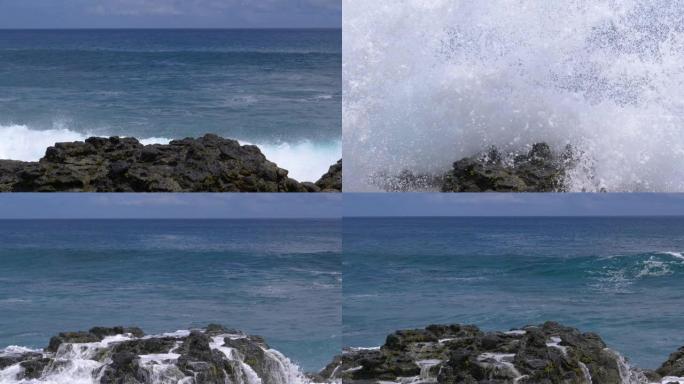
(120, 355)
(206, 164)
(538, 170)
(332, 180)
(546, 354)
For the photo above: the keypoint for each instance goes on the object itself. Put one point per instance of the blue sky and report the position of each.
(170, 13)
(513, 204)
(168, 205)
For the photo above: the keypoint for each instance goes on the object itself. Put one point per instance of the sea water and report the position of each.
(618, 277)
(428, 82)
(279, 279)
(279, 89)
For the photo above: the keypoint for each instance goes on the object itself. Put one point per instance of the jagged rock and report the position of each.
(539, 170)
(332, 180)
(8, 174)
(545, 354)
(93, 335)
(674, 366)
(209, 163)
(125, 356)
(33, 368)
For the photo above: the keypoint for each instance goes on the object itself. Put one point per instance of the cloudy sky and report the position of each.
(170, 13)
(168, 205)
(513, 204)
(266, 205)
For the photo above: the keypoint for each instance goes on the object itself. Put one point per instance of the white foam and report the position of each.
(305, 160)
(80, 363)
(18, 142)
(516, 332)
(677, 255)
(501, 363)
(554, 342)
(17, 350)
(671, 379)
(427, 82)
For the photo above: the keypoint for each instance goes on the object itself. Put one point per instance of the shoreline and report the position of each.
(206, 164)
(545, 353)
(109, 355)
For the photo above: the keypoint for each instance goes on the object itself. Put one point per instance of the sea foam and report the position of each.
(427, 82)
(305, 160)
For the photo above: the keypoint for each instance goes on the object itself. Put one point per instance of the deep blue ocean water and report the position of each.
(276, 278)
(619, 277)
(267, 87)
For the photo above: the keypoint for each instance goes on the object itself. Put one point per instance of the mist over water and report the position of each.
(428, 82)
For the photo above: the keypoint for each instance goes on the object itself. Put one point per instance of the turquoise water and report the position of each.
(273, 88)
(619, 277)
(275, 278)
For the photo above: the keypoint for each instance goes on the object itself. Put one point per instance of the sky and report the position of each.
(169, 206)
(170, 14)
(274, 205)
(513, 204)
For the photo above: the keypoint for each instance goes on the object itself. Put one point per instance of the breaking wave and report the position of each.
(427, 82)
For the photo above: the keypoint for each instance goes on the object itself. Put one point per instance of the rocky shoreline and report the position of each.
(119, 355)
(540, 169)
(206, 164)
(549, 353)
(545, 354)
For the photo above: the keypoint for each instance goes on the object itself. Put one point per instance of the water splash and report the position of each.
(427, 82)
(84, 363)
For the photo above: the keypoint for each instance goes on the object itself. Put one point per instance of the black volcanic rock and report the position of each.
(214, 355)
(539, 170)
(332, 180)
(545, 354)
(206, 164)
(674, 366)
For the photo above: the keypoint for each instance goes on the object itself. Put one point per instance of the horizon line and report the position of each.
(165, 28)
(508, 216)
(167, 218)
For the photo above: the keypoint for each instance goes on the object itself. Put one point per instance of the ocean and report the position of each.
(618, 277)
(279, 279)
(279, 89)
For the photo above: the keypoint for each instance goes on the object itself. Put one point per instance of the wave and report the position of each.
(618, 274)
(427, 82)
(305, 160)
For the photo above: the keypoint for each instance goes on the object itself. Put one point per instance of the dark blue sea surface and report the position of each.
(619, 277)
(276, 278)
(268, 87)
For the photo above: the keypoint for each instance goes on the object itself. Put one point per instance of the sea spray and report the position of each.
(427, 82)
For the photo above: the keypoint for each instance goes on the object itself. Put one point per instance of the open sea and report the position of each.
(618, 277)
(276, 278)
(279, 89)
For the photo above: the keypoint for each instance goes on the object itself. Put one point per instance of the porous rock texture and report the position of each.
(206, 164)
